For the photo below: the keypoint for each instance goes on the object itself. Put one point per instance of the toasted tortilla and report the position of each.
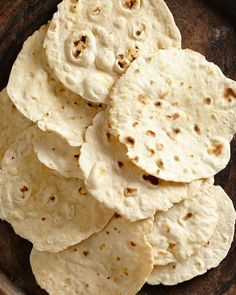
(90, 44)
(181, 107)
(114, 180)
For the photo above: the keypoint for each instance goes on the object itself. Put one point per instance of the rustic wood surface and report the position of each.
(205, 28)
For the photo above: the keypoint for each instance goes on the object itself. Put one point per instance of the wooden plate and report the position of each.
(205, 28)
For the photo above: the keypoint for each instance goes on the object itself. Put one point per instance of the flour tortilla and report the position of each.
(90, 43)
(38, 95)
(185, 228)
(180, 106)
(54, 152)
(115, 261)
(208, 256)
(43, 207)
(114, 180)
(12, 123)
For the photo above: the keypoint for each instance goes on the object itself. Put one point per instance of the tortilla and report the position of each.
(115, 261)
(39, 96)
(54, 152)
(207, 257)
(114, 180)
(181, 107)
(185, 228)
(12, 123)
(90, 43)
(42, 206)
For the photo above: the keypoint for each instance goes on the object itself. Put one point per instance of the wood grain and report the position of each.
(6, 287)
(205, 28)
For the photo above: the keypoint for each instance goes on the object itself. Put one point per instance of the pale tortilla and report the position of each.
(38, 95)
(49, 210)
(54, 152)
(115, 261)
(185, 228)
(210, 255)
(12, 123)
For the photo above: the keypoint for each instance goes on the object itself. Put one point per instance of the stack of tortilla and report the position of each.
(110, 137)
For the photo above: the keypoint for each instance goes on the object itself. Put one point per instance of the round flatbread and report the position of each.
(207, 257)
(115, 261)
(181, 107)
(114, 180)
(42, 206)
(38, 95)
(54, 151)
(90, 43)
(12, 123)
(185, 228)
